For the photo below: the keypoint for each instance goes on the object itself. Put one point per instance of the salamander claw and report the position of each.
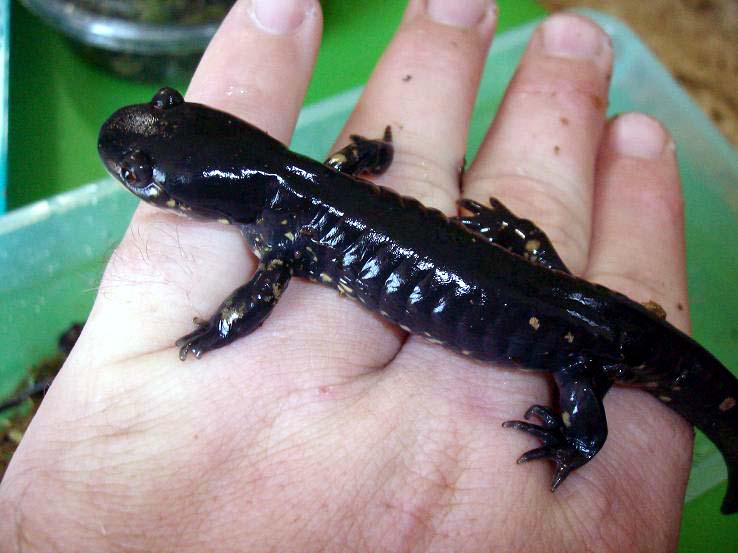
(543, 434)
(544, 452)
(198, 341)
(549, 419)
(557, 446)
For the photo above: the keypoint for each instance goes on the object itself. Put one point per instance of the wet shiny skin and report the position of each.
(489, 286)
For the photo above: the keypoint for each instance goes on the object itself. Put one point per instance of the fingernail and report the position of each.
(458, 13)
(572, 36)
(638, 135)
(280, 16)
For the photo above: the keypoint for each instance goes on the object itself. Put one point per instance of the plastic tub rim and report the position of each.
(120, 35)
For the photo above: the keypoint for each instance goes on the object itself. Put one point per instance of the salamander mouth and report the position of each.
(155, 194)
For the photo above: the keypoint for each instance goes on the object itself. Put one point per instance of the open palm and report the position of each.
(328, 429)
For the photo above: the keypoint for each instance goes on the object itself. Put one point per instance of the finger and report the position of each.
(539, 155)
(257, 66)
(638, 232)
(638, 249)
(424, 87)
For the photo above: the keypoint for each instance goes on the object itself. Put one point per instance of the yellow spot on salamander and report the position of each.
(665, 399)
(325, 277)
(224, 221)
(343, 289)
(465, 352)
(431, 340)
(532, 245)
(405, 328)
(338, 158)
(569, 337)
(289, 236)
(171, 202)
(566, 418)
(534, 323)
(655, 308)
(727, 404)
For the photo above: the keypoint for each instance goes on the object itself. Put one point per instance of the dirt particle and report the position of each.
(407, 78)
(557, 149)
(564, 121)
(599, 102)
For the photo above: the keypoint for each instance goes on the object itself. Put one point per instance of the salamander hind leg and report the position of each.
(240, 313)
(364, 155)
(572, 437)
(500, 226)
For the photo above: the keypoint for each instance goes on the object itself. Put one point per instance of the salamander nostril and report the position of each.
(166, 98)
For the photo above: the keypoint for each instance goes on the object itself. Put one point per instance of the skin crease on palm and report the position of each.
(329, 429)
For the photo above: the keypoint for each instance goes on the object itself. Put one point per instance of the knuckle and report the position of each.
(639, 284)
(660, 196)
(552, 208)
(431, 180)
(557, 86)
(430, 52)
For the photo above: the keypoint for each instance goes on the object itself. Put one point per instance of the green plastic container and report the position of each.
(52, 252)
(4, 40)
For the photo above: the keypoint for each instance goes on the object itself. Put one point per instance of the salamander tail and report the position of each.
(706, 394)
(730, 502)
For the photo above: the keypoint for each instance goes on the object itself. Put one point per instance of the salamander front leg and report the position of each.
(242, 312)
(572, 437)
(372, 156)
(520, 236)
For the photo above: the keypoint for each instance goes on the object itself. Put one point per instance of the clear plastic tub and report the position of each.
(145, 40)
(52, 252)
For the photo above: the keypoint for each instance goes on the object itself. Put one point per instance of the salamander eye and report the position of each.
(166, 98)
(135, 169)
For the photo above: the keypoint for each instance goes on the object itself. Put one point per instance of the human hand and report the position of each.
(328, 429)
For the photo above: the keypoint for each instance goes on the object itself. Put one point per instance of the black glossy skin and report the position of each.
(489, 286)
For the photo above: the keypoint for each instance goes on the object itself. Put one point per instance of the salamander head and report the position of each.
(189, 158)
